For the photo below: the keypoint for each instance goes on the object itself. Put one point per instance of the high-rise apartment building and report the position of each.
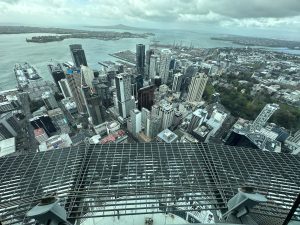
(78, 55)
(197, 87)
(164, 67)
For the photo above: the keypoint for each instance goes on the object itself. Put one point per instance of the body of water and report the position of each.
(14, 49)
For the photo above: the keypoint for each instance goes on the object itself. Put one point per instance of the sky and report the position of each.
(223, 15)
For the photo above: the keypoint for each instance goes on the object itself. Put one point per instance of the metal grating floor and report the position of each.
(100, 180)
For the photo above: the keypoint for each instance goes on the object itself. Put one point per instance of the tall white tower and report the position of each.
(264, 116)
(153, 66)
(165, 59)
(123, 86)
(197, 87)
(136, 121)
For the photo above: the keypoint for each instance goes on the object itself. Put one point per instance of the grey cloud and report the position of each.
(203, 11)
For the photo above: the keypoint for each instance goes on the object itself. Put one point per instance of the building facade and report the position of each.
(78, 55)
(140, 59)
(197, 87)
(165, 59)
(124, 95)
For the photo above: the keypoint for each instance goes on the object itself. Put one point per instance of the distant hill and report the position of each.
(119, 27)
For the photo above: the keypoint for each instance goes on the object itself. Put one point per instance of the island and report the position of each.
(61, 34)
(258, 41)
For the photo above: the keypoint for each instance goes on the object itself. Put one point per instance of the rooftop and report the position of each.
(167, 136)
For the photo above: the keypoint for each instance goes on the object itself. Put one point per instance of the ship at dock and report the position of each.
(25, 74)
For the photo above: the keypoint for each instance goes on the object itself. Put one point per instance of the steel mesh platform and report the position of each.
(129, 179)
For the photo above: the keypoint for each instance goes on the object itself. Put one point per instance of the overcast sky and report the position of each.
(199, 14)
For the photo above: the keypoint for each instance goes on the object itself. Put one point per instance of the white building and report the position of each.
(65, 88)
(165, 59)
(153, 66)
(167, 136)
(125, 99)
(145, 114)
(56, 142)
(197, 87)
(112, 126)
(135, 125)
(88, 74)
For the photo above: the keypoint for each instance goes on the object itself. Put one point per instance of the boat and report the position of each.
(25, 74)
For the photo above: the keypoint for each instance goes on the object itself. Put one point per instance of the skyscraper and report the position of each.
(196, 88)
(140, 59)
(75, 82)
(146, 97)
(87, 75)
(145, 114)
(153, 66)
(263, 116)
(165, 59)
(78, 55)
(135, 124)
(65, 88)
(177, 82)
(149, 53)
(167, 114)
(95, 109)
(57, 73)
(124, 96)
(153, 126)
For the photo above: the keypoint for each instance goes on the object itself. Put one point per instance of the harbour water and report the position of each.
(15, 49)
